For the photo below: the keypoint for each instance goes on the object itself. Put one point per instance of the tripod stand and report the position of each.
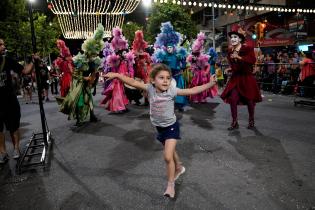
(40, 143)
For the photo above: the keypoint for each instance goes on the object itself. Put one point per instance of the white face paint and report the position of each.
(170, 49)
(235, 40)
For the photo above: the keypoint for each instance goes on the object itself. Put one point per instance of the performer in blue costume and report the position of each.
(175, 58)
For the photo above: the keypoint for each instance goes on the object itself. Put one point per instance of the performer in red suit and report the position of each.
(64, 65)
(242, 87)
(143, 59)
(142, 64)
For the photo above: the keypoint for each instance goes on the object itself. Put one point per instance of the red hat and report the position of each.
(237, 30)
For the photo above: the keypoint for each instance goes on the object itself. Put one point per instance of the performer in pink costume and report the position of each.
(121, 61)
(200, 68)
(64, 65)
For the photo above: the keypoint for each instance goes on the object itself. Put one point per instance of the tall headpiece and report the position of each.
(95, 44)
(64, 50)
(198, 43)
(167, 37)
(118, 42)
(139, 43)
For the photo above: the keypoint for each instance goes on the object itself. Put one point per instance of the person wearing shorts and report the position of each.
(10, 113)
(161, 93)
(169, 132)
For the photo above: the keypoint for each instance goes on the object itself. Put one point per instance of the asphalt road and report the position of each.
(117, 163)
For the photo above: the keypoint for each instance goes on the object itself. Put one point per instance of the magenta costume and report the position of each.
(200, 68)
(121, 61)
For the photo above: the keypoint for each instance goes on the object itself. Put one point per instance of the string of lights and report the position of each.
(250, 7)
(79, 18)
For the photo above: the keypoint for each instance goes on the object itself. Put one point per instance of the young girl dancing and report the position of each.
(162, 92)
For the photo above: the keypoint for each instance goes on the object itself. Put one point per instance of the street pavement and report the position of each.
(117, 163)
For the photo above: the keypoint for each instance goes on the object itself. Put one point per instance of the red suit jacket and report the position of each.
(242, 78)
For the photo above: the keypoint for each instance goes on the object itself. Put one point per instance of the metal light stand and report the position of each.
(39, 145)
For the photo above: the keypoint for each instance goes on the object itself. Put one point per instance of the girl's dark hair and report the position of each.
(159, 67)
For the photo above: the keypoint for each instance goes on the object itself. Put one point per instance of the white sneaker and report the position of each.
(180, 173)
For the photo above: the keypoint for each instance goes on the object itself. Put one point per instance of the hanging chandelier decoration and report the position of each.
(79, 18)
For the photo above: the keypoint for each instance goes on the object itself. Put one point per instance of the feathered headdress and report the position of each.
(139, 43)
(198, 43)
(94, 45)
(167, 37)
(65, 56)
(213, 56)
(118, 42)
(197, 58)
(119, 45)
(64, 50)
(91, 48)
(107, 51)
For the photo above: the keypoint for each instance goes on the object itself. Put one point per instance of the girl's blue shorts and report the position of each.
(169, 132)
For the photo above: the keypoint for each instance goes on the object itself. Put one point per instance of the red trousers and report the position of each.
(235, 100)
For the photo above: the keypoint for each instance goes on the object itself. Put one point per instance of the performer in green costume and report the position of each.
(78, 104)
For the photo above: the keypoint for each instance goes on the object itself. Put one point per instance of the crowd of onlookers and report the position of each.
(283, 72)
(25, 84)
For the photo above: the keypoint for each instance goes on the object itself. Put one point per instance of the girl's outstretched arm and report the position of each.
(197, 89)
(127, 80)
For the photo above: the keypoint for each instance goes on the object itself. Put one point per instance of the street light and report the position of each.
(38, 140)
(146, 3)
(30, 11)
(39, 82)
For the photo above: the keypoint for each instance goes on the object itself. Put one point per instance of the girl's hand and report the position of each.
(110, 75)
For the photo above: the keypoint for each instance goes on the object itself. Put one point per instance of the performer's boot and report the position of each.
(93, 118)
(78, 123)
(234, 125)
(251, 111)
(251, 124)
(233, 107)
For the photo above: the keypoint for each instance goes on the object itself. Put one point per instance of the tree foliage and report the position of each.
(129, 30)
(177, 15)
(11, 10)
(16, 31)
